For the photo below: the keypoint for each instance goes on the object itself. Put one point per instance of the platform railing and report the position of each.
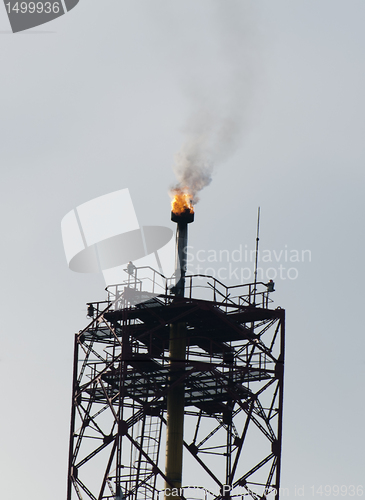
(246, 294)
(147, 283)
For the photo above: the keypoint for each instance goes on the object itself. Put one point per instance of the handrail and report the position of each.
(159, 285)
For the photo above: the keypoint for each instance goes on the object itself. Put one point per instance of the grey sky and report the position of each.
(101, 99)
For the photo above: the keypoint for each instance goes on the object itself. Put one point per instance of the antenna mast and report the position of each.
(257, 253)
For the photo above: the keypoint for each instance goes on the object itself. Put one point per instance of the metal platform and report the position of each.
(233, 380)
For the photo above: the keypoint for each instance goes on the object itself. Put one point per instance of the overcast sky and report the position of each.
(102, 99)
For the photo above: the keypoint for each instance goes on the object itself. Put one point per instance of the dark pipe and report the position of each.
(182, 221)
(177, 355)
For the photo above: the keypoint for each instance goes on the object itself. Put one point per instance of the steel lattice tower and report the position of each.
(232, 378)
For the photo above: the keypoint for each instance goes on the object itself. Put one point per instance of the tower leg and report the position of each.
(72, 425)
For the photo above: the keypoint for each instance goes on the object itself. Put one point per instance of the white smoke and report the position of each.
(193, 166)
(219, 77)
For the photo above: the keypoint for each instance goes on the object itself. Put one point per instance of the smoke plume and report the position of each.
(193, 167)
(218, 77)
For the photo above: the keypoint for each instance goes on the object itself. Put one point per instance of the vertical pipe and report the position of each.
(175, 409)
(180, 261)
(176, 396)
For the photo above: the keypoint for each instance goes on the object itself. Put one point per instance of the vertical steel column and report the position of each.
(177, 356)
(180, 263)
(182, 220)
(126, 353)
(73, 414)
(281, 400)
(175, 409)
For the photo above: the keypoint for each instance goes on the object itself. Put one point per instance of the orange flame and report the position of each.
(181, 202)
